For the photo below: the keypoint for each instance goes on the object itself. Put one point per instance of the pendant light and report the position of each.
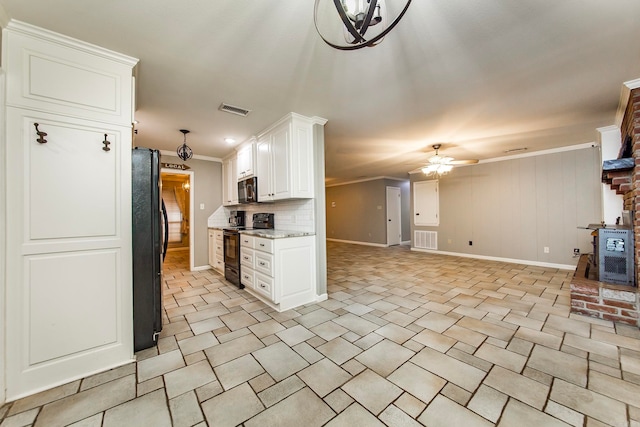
(184, 152)
(362, 23)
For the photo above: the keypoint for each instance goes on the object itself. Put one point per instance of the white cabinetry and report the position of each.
(229, 181)
(246, 156)
(68, 266)
(284, 160)
(216, 254)
(281, 272)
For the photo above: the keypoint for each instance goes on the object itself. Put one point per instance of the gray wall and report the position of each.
(514, 208)
(360, 215)
(207, 189)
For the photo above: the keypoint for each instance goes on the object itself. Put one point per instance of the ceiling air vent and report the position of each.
(234, 110)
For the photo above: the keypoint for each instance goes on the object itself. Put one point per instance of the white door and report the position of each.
(394, 224)
(69, 296)
(425, 203)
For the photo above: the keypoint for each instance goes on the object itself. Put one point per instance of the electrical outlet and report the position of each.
(470, 242)
(576, 251)
(546, 249)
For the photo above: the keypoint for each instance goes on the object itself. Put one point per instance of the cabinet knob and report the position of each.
(262, 264)
(262, 286)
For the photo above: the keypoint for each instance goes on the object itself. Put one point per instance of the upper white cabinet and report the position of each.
(69, 300)
(284, 160)
(229, 181)
(246, 156)
(52, 72)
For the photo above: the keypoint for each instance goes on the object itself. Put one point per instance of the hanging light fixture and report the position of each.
(436, 169)
(362, 23)
(184, 152)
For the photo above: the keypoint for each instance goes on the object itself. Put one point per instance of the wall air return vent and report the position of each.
(234, 110)
(425, 239)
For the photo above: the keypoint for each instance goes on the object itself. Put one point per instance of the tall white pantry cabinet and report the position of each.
(68, 200)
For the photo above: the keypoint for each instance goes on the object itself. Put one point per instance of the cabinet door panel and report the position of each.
(84, 315)
(74, 82)
(281, 139)
(71, 165)
(264, 169)
(69, 293)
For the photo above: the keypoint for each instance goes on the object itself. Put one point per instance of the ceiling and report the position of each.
(480, 77)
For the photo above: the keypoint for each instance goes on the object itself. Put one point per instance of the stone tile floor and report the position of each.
(405, 339)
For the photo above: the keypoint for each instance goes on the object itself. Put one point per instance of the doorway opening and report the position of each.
(394, 217)
(177, 193)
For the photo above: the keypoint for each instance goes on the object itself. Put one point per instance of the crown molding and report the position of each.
(375, 178)
(41, 33)
(195, 156)
(625, 93)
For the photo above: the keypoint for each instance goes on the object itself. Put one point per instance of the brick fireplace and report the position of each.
(600, 299)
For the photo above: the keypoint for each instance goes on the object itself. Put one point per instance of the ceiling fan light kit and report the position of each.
(440, 165)
(362, 23)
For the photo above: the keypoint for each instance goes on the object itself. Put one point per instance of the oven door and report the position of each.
(231, 248)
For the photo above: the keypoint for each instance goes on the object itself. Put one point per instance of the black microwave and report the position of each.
(248, 190)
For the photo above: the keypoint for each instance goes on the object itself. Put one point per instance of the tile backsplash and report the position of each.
(294, 215)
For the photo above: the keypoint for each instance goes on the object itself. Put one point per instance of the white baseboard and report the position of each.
(323, 297)
(202, 268)
(493, 258)
(378, 245)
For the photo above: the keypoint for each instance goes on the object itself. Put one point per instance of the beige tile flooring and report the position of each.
(405, 339)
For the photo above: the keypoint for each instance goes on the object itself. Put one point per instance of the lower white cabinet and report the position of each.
(280, 272)
(216, 251)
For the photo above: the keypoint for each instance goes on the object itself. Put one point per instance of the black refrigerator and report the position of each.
(149, 246)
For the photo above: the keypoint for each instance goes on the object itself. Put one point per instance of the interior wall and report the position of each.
(515, 208)
(357, 212)
(3, 198)
(207, 191)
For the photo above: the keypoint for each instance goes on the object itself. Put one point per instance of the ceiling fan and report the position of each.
(440, 165)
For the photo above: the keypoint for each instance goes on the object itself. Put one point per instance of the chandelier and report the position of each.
(361, 23)
(184, 152)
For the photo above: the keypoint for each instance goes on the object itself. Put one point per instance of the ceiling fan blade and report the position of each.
(463, 162)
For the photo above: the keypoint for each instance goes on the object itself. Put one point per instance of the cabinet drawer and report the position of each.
(247, 257)
(218, 236)
(246, 241)
(263, 263)
(219, 265)
(262, 244)
(264, 285)
(246, 278)
(219, 249)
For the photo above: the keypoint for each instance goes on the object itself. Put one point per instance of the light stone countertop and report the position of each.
(276, 234)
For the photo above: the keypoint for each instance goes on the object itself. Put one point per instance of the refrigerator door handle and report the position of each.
(165, 239)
